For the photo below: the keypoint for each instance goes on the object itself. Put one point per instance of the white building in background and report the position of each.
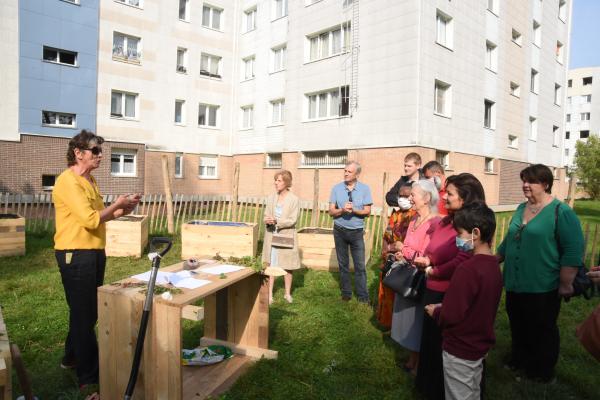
(582, 109)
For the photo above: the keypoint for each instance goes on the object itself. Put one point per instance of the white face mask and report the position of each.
(404, 203)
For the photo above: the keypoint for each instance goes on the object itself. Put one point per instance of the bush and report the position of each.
(587, 161)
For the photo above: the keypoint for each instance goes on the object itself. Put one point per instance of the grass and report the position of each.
(328, 349)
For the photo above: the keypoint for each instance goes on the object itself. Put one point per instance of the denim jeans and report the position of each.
(81, 276)
(353, 239)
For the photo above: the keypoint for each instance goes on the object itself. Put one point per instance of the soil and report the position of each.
(130, 218)
(318, 231)
(9, 216)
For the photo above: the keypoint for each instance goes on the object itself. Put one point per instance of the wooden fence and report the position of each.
(39, 212)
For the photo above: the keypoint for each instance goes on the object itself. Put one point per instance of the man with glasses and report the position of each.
(350, 202)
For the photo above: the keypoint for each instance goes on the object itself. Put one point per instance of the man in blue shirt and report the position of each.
(350, 202)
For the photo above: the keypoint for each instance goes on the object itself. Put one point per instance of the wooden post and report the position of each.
(572, 189)
(314, 219)
(168, 195)
(236, 187)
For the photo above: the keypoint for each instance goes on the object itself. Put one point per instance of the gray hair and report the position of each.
(429, 187)
(357, 164)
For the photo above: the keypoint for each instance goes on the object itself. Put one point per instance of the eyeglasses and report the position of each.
(350, 197)
(95, 150)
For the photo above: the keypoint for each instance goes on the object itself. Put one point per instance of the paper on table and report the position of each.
(222, 269)
(161, 278)
(191, 283)
(181, 279)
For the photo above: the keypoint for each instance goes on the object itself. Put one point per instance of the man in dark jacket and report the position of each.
(412, 165)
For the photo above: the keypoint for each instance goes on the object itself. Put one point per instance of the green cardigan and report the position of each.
(532, 258)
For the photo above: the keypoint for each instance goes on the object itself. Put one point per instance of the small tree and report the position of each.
(587, 160)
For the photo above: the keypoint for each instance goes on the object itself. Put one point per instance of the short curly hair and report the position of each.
(82, 141)
(286, 176)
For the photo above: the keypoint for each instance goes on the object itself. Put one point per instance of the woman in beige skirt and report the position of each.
(281, 215)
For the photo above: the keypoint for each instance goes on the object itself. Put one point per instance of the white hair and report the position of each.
(356, 164)
(429, 187)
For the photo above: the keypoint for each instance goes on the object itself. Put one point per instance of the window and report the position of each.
(489, 116)
(123, 105)
(584, 134)
(567, 135)
(585, 116)
(442, 98)
(208, 167)
(179, 112)
(555, 136)
(48, 182)
(444, 34)
(587, 81)
(491, 56)
(211, 17)
(562, 10)
(331, 158)
(493, 6)
(247, 117)
(208, 115)
(72, 1)
(534, 81)
(443, 157)
(557, 94)
(515, 89)
(570, 83)
(58, 119)
(60, 56)
(210, 65)
(273, 160)
(277, 112)
(278, 58)
(135, 3)
(537, 33)
(559, 52)
(126, 47)
(248, 67)
(568, 117)
(489, 165)
(280, 8)
(517, 37)
(566, 152)
(532, 128)
(328, 104)
(250, 20)
(513, 141)
(569, 100)
(587, 98)
(329, 43)
(181, 60)
(183, 10)
(178, 165)
(123, 162)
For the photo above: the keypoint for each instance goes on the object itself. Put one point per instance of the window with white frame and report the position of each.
(444, 29)
(587, 98)
(534, 81)
(559, 52)
(250, 20)
(248, 67)
(329, 104)
(513, 141)
(533, 128)
(566, 152)
(491, 56)
(568, 117)
(517, 38)
(489, 115)
(123, 105)
(489, 165)
(562, 10)
(555, 136)
(442, 98)
(247, 117)
(515, 89)
(569, 100)
(178, 165)
(211, 17)
(557, 94)
(208, 167)
(443, 157)
(210, 65)
(181, 60)
(59, 119)
(184, 10)
(346, 3)
(585, 116)
(570, 83)
(208, 115)
(273, 160)
(567, 135)
(48, 182)
(584, 134)
(277, 111)
(278, 58)
(72, 1)
(493, 6)
(126, 47)
(59, 56)
(135, 3)
(537, 33)
(587, 80)
(123, 162)
(330, 158)
(280, 9)
(179, 112)
(329, 43)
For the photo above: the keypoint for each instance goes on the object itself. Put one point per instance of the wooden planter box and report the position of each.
(127, 236)
(317, 249)
(12, 235)
(207, 238)
(5, 362)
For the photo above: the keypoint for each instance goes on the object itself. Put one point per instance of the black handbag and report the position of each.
(405, 279)
(390, 260)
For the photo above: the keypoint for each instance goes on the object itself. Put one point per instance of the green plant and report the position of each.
(587, 160)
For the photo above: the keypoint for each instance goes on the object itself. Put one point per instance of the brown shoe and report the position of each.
(346, 298)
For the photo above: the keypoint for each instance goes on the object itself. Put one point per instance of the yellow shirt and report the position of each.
(78, 204)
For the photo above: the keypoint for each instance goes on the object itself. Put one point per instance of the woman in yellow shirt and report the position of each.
(79, 248)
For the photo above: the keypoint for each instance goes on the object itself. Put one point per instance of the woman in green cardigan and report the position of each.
(542, 251)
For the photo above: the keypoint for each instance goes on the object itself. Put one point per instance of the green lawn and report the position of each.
(328, 349)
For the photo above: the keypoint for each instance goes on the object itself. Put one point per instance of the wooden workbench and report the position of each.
(236, 314)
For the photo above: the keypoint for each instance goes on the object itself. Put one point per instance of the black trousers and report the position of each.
(534, 332)
(82, 272)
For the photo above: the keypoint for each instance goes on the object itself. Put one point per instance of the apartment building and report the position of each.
(582, 109)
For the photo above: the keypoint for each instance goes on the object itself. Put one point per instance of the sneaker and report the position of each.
(289, 298)
(67, 363)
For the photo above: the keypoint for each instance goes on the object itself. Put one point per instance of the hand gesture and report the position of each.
(422, 262)
(348, 208)
(430, 308)
(594, 274)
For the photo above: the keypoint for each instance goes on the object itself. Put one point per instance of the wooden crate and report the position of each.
(5, 362)
(127, 236)
(12, 235)
(207, 238)
(317, 249)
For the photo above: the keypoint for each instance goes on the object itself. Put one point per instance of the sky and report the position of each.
(585, 34)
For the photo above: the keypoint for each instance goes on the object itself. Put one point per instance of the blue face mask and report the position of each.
(465, 245)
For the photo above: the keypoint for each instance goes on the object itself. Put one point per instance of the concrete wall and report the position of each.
(9, 70)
